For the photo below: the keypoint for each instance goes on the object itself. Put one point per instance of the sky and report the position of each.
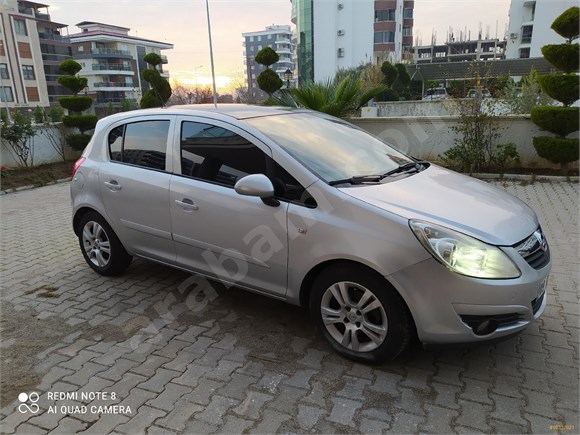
(184, 24)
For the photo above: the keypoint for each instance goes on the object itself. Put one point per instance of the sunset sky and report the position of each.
(184, 24)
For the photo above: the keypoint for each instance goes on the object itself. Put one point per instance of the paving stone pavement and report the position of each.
(232, 362)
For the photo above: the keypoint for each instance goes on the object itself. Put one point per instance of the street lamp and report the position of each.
(288, 76)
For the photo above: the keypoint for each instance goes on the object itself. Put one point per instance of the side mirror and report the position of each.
(255, 185)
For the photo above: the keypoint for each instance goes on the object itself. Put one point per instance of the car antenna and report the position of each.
(211, 54)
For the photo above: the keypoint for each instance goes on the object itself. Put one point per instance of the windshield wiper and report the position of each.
(357, 179)
(416, 165)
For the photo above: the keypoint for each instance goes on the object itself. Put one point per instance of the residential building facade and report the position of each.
(31, 48)
(112, 61)
(279, 38)
(529, 26)
(341, 34)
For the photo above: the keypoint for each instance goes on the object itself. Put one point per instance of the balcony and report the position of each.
(113, 86)
(164, 60)
(52, 37)
(107, 52)
(110, 68)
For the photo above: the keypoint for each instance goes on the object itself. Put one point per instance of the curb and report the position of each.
(31, 186)
(499, 177)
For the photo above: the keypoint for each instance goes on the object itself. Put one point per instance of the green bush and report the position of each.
(160, 91)
(73, 83)
(75, 104)
(153, 59)
(561, 87)
(82, 122)
(150, 100)
(558, 120)
(78, 141)
(565, 57)
(567, 24)
(557, 149)
(267, 56)
(56, 114)
(390, 73)
(269, 81)
(70, 67)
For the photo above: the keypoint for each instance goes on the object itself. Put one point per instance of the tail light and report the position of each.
(77, 165)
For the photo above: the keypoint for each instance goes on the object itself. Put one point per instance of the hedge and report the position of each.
(558, 120)
(557, 149)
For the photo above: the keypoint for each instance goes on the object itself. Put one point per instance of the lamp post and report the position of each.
(288, 76)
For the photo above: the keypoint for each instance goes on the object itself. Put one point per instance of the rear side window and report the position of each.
(141, 143)
(218, 155)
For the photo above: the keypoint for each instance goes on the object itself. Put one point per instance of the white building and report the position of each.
(112, 62)
(529, 26)
(279, 38)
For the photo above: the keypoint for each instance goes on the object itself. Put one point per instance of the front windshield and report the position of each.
(329, 147)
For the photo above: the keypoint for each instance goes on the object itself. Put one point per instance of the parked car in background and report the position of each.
(478, 93)
(436, 94)
(309, 209)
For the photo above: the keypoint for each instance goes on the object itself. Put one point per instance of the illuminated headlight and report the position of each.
(463, 254)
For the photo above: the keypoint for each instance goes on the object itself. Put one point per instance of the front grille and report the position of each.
(537, 303)
(473, 321)
(534, 250)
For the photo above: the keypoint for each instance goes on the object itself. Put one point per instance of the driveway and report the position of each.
(159, 351)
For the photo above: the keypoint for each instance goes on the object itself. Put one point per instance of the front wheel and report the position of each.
(360, 314)
(101, 248)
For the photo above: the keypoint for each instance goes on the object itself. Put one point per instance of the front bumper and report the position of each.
(451, 308)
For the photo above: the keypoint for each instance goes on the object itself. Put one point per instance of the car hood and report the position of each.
(444, 197)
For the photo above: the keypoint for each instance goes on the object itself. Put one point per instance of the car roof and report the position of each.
(237, 111)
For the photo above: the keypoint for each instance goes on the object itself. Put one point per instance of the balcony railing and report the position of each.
(113, 85)
(526, 39)
(52, 36)
(110, 67)
(110, 51)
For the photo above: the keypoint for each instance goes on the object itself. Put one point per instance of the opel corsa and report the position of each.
(309, 209)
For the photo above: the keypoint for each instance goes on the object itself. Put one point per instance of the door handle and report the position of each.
(186, 204)
(113, 185)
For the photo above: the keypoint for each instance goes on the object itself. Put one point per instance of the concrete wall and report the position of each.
(44, 152)
(427, 137)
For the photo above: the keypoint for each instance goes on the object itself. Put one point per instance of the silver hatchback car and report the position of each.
(309, 209)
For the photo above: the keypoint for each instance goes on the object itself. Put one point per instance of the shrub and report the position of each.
(153, 59)
(269, 81)
(70, 67)
(56, 114)
(82, 122)
(78, 141)
(561, 87)
(557, 149)
(390, 73)
(17, 137)
(267, 56)
(73, 83)
(75, 104)
(558, 120)
(567, 24)
(150, 100)
(160, 91)
(39, 115)
(565, 57)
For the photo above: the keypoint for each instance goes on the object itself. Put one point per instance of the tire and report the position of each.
(360, 314)
(101, 248)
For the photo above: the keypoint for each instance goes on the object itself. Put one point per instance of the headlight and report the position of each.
(463, 254)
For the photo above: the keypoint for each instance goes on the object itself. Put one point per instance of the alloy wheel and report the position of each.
(96, 244)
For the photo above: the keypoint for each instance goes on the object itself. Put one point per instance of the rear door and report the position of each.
(134, 184)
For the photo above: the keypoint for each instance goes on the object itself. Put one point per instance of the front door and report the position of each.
(238, 239)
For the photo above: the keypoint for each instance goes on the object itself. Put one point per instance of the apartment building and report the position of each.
(112, 61)
(31, 48)
(340, 34)
(529, 26)
(279, 38)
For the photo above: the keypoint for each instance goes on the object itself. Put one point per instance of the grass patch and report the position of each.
(40, 175)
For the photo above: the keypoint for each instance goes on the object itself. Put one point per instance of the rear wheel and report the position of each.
(101, 248)
(360, 314)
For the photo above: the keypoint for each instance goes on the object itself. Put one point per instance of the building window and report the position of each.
(6, 94)
(259, 47)
(4, 71)
(407, 31)
(259, 38)
(28, 72)
(32, 94)
(378, 37)
(406, 48)
(524, 53)
(251, 39)
(20, 27)
(527, 34)
(384, 37)
(384, 15)
(408, 13)
(269, 36)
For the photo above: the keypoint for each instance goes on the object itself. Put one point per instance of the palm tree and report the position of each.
(340, 99)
